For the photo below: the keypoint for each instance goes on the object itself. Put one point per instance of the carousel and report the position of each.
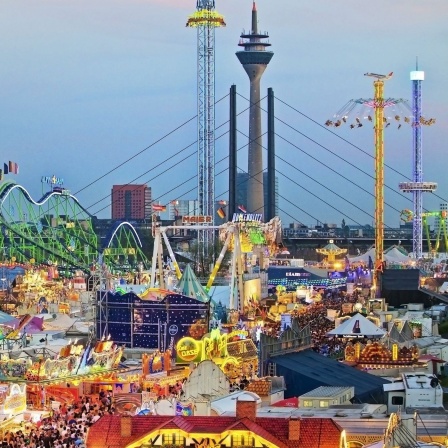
(331, 251)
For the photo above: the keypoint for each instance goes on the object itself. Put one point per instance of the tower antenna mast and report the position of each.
(206, 19)
(254, 58)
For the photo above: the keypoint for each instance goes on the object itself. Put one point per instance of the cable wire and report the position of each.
(350, 143)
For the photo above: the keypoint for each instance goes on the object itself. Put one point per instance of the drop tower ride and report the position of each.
(417, 187)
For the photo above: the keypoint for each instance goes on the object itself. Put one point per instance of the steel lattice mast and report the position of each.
(417, 187)
(206, 19)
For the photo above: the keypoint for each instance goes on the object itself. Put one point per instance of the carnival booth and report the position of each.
(234, 352)
(114, 382)
(62, 379)
(159, 375)
(12, 400)
(375, 355)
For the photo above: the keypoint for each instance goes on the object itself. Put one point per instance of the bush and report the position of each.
(443, 328)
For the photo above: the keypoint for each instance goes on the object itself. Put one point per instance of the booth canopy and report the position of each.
(357, 326)
(391, 255)
(7, 319)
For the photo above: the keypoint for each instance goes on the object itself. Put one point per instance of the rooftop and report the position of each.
(326, 391)
(420, 380)
(314, 433)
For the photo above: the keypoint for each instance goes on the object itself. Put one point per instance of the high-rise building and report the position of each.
(131, 201)
(255, 59)
(242, 184)
(183, 207)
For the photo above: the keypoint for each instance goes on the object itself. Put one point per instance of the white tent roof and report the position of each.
(392, 255)
(366, 328)
(363, 258)
(61, 322)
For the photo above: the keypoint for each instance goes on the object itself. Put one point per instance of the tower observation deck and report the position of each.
(254, 58)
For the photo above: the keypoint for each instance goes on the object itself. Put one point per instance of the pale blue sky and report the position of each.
(84, 85)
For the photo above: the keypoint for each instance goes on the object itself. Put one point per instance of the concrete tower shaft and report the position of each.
(255, 59)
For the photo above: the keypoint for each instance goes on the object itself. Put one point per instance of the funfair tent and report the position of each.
(391, 255)
(7, 319)
(34, 325)
(363, 258)
(189, 286)
(357, 326)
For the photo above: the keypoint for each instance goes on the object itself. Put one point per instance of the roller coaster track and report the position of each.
(58, 229)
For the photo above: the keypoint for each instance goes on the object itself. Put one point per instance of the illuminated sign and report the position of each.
(394, 352)
(15, 402)
(247, 217)
(197, 220)
(188, 349)
(52, 180)
(212, 346)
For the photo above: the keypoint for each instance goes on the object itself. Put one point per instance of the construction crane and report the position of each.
(205, 20)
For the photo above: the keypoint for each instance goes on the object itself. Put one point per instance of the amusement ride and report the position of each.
(439, 236)
(381, 120)
(58, 230)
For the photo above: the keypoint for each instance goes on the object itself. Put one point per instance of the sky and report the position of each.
(103, 92)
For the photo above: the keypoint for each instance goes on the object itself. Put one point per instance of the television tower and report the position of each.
(417, 187)
(255, 59)
(206, 19)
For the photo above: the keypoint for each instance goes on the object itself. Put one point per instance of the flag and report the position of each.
(242, 209)
(5, 168)
(222, 202)
(13, 167)
(221, 213)
(159, 208)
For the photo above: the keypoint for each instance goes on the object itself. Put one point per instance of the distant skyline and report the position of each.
(86, 86)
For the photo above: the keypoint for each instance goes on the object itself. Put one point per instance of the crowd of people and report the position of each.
(65, 427)
(316, 316)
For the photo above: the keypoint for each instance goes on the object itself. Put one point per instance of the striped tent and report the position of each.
(189, 286)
